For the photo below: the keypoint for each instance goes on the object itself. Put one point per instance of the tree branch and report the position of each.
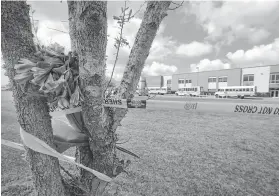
(58, 30)
(118, 45)
(178, 5)
(138, 9)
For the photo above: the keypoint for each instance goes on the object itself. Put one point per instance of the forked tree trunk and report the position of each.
(33, 112)
(88, 32)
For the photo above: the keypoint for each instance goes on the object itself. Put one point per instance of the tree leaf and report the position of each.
(40, 78)
(53, 60)
(19, 71)
(37, 69)
(26, 62)
(116, 18)
(58, 90)
(127, 151)
(75, 98)
(60, 69)
(43, 65)
(22, 78)
(51, 85)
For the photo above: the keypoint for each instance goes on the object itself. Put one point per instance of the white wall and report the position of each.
(222, 84)
(139, 84)
(181, 85)
(212, 85)
(261, 77)
(166, 78)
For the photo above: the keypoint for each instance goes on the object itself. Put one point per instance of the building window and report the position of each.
(223, 79)
(248, 80)
(181, 81)
(188, 81)
(211, 79)
(274, 78)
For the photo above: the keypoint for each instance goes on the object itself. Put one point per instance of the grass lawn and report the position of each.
(181, 154)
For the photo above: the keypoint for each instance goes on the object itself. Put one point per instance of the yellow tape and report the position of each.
(38, 145)
(12, 144)
(21, 147)
(221, 107)
(266, 109)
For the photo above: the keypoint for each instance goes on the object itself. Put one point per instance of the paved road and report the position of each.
(213, 99)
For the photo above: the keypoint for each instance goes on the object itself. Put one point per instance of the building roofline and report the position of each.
(226, 69)
(205, 71)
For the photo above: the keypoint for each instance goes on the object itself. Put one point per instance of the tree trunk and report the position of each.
(33, 112)
(88, 32)
(153, 16)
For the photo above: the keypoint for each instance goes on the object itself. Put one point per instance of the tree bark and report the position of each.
(33, 112)
(88, 32)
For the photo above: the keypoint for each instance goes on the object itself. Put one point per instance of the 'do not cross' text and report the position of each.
(267, 110)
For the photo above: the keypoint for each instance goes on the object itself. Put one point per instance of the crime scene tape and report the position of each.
(195, 105)
(220, 107)
(40, 146)
(21, 147)
(12, 144)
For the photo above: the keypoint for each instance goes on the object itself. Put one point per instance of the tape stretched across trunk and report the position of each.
(40, 146)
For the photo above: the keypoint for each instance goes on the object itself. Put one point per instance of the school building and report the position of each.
(265, 78)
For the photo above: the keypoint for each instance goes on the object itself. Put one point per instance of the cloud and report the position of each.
(206, 65)
(161, 47)
(156, 69)
(49, 10)
(256, 35)
(231, 20)
(118, 71)
(194, 49)
(258, 55)
(47, 36)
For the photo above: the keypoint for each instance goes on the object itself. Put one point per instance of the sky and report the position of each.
(198, 36)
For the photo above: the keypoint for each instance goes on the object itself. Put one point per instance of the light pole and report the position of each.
(197, 76)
